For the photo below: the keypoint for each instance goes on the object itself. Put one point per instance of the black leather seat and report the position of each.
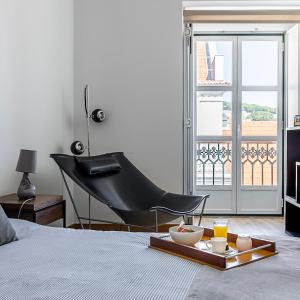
(127, 191)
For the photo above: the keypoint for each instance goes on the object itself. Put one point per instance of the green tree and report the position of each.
(256, 112)
(250, 108)
(261, 116)
(226, 105)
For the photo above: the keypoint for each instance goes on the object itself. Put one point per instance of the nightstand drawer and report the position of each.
(44, 209)
(50, 214)
(25, 215)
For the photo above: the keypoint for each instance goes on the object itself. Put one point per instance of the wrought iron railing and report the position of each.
(258, 163)
(213, 163)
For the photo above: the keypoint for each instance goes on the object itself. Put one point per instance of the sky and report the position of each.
(259, 62)
(259, 68)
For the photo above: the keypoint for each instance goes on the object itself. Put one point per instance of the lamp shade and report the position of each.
(27, 161)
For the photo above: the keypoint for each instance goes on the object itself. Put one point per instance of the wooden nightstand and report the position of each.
(44, 209)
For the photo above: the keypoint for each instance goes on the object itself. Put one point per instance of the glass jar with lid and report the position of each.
(243, 242)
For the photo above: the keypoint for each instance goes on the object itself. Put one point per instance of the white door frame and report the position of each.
(189, 186)
(277, 209)
(227, 192)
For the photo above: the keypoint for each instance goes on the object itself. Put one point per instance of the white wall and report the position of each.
(293, 76)
(36, 88)
(130, 53)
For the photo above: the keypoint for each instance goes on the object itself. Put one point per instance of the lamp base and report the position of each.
(26, 189)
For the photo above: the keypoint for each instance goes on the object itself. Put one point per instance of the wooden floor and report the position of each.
(273, 226)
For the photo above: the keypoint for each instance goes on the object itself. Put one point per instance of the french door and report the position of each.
(235, 112)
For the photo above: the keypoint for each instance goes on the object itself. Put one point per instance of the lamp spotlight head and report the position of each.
(98, 115)
(77, 148)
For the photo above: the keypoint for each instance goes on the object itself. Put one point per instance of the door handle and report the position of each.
(188, 123)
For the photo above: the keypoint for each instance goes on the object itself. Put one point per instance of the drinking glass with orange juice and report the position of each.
(220, 228)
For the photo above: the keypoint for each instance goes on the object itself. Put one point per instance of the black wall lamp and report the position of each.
(97, 115)
(77, 147)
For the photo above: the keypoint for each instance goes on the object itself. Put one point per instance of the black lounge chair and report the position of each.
(112, 179)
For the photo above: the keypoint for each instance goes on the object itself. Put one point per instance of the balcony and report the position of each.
(258, 163)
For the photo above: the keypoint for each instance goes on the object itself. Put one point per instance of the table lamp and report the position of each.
(26, 164)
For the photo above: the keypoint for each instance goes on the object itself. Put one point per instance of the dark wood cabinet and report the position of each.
(292, 207)
(43, 210)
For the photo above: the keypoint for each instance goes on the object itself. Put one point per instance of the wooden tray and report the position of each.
(199, 253)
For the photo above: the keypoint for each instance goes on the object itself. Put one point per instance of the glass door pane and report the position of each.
(213, 113)
(259, 63)
(213, 63)
(259, 113)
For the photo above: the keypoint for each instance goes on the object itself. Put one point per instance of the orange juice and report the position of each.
(220, 230)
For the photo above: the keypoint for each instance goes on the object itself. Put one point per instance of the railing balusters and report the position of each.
(214, 163)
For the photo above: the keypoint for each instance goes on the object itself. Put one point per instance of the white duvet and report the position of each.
(56, 263)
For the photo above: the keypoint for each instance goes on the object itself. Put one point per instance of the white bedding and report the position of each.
(273, 278)
(56, 263)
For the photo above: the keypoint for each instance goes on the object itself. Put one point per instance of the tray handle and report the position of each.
(249, 251)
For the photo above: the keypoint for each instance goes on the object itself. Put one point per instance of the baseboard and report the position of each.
(117, 227)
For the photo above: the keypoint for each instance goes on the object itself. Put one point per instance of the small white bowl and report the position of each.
(186, 238)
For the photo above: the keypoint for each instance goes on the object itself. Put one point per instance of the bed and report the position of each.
(55, 263)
